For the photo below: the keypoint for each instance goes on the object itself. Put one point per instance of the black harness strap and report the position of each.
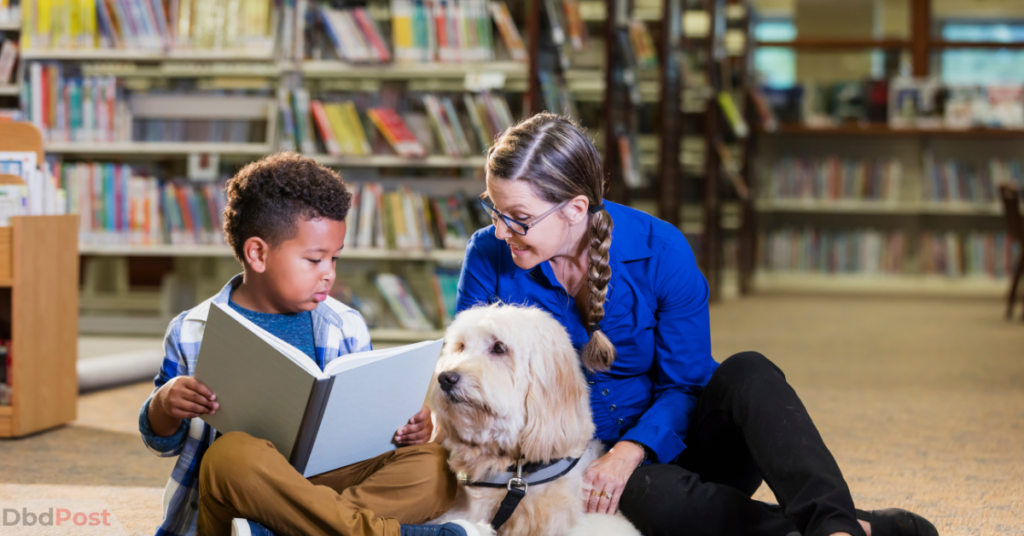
(508, 505)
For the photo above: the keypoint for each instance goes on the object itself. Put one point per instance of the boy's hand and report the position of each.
(184, 397)
(418, 430)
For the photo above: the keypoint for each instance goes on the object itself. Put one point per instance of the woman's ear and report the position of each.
(576, 209)
(255, 251)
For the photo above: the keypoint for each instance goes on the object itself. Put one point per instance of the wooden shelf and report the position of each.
(887, 285)
(875, 129)
(43, 260)
(157, 148)
(184, 70)
(394, 161)
(975, 44)
(836, 43)
(166, 250)
(877, 207)
(403, 335)
(145, 55)
(405, 71)
(10, 26)
(10, 90)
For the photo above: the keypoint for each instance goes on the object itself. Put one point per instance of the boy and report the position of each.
(285, 221)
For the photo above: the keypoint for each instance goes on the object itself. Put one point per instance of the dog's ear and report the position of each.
(558, 422)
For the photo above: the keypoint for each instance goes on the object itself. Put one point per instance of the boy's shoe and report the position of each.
(244, 527)
(897, 522)
(454, 528)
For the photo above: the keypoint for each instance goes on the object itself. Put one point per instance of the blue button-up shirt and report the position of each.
(656, 315)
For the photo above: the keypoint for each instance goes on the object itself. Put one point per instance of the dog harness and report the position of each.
(518, 479)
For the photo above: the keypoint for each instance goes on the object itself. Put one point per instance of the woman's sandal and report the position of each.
(897, 522)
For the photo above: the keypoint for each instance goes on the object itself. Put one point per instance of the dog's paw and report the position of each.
(475, 529)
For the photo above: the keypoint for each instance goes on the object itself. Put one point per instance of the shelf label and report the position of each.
(484, 81)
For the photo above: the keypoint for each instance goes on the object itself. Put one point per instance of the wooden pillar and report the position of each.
(920, 35)
(670, 112)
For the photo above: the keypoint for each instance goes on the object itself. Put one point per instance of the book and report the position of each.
(318, 420)
(402, 303)
(509, 33)
(390, 124)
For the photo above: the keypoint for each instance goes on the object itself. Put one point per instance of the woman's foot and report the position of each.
(896, 522)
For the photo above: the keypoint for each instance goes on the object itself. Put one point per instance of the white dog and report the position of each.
(510, 395)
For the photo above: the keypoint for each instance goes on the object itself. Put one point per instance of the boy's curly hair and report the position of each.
(267, 198)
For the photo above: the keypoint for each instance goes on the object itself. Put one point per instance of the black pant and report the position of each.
(749, 424)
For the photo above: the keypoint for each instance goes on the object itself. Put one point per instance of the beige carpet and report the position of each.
(921, 401)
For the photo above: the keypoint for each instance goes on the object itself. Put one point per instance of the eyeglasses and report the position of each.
(515, 226)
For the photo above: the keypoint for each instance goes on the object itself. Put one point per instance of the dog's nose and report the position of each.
(448, 380)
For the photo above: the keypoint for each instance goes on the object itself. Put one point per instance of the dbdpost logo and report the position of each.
(59, 517)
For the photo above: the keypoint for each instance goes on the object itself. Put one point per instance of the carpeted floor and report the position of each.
(920, 400)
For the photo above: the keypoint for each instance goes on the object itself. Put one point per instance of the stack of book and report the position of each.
(435, 310)
(643, 45)
(121, 205)
(355, 35)
(40, 195)
(974, 253)
(955, 181)
(833, 178)
(451, 31)
(155, 25)
(407, 220)
(68, 107)
(834, 251)
(457, 125)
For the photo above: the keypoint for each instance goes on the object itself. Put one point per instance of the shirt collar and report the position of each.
(201, 311)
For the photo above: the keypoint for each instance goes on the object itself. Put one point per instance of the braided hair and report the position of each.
(555, 157)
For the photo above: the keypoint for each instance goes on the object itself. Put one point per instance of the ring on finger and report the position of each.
(606, 495)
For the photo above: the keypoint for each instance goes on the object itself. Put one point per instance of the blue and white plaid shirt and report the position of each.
(339, 330)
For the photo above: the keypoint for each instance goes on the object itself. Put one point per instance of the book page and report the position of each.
(297, 356)
(351, 361)
(369, 401)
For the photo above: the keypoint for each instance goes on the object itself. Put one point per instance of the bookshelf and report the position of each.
(956, 234)
(224, 251)
(40, 277)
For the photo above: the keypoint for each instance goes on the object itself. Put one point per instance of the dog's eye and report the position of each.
(460, 347)
(499, 348)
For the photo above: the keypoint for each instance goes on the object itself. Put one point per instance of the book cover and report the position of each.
(318, 420)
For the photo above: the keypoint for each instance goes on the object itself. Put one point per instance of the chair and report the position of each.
(1014, 232)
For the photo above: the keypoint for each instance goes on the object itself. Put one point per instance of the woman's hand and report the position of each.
(418, 430)
(606, 477)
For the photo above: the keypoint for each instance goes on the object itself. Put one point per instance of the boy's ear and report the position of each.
(255, 251)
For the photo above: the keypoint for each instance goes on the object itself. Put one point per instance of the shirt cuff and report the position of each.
(159, 443)
(664, 443)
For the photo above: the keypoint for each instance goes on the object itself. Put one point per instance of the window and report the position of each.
(982, 66)
(777, 66)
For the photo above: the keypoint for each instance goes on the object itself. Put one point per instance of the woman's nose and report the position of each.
(501, 230)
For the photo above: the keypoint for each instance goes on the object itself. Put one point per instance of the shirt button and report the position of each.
(591, 382)
(611, 408)
(620, 421)
(604, 392)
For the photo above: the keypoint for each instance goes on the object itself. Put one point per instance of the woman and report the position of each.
(690, 441)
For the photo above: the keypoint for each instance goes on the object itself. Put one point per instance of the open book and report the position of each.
(320, 421)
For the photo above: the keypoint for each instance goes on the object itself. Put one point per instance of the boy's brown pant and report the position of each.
(242, 476)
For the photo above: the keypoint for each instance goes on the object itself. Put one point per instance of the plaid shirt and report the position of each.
(339, 330)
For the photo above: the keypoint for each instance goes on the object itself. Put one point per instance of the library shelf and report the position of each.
(122, 148)
(155, 326)
(167, 250)
(184, 70)
(395, 161)
(877, 129)
(976, 44)
(10, 26)
(106, 54)
(10, 90)
(836, 43)
(403, 335)
(887, 285)
(597, 11)
(877, 207)
(406, 71)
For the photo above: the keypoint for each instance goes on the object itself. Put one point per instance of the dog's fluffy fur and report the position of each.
(520, 393)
